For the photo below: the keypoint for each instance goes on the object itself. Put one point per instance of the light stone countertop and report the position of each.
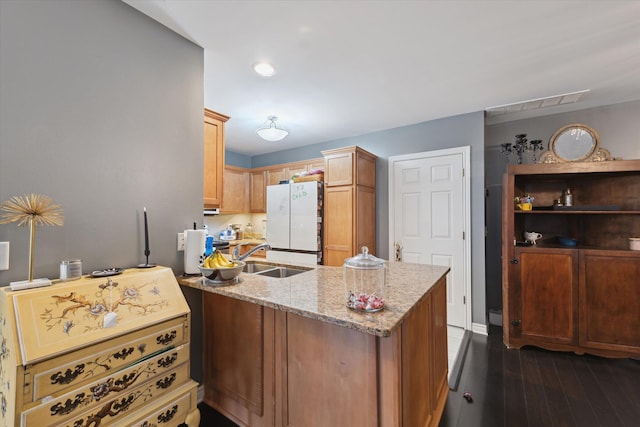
(319, 294)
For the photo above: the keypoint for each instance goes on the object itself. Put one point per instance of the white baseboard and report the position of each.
(479, 328)
(200, 393)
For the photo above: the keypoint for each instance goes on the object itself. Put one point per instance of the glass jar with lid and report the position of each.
(364, 281)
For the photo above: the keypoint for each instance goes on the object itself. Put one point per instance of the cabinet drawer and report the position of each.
(128, 401)
(91, 395)
(170, 411)
(56, 376)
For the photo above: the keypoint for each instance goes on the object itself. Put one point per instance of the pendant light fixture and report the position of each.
(270, 130)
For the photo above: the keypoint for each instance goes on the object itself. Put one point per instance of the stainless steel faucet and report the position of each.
(235, 255)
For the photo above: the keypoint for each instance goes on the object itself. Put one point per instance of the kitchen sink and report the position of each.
(271, 270)
(256, 267)
(281, 272)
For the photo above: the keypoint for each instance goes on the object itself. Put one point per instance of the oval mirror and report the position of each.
(574, 142)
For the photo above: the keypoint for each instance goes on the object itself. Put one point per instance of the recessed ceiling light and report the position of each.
(264, 69)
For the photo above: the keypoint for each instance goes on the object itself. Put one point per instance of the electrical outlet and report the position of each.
(181, 241)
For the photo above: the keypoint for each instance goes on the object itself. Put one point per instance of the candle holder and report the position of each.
(147, 251)
(520, 147)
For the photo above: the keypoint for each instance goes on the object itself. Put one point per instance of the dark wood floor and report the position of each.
(532, 387)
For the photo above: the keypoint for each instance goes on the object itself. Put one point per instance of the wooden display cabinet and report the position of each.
(213, 157)
(581, 298)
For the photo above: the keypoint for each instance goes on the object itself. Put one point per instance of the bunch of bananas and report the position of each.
(217, 260)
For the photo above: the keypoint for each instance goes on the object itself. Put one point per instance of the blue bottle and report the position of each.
(208, 249)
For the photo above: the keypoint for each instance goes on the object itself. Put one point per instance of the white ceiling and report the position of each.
(347, 68)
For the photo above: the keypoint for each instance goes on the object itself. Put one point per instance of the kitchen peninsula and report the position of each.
(288, 352)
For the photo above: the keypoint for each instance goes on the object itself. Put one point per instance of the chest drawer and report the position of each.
(92, 395)
(56, 376)
(113, 410)
(171, 411)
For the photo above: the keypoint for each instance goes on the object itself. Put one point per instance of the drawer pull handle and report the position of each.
(166, 382)
(122, 354)
(168, 361)
(166, 338)
(167, 416)
(69, 406)
(69, 376)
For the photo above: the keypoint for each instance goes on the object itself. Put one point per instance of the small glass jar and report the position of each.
(364, 281)
(70, 269)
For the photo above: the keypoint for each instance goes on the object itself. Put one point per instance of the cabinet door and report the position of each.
(546, 291)
(339, 169)
(610, 301)
(338, 225)
(274, 176)
(314, 164)
(296, 168)
(238, 364)
(213, 158)
(258, 192)
(235, 190)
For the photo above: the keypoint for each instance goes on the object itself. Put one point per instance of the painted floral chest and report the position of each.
(97, 352)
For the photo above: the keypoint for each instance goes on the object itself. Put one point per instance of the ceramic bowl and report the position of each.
(567, 241)
(221, 275)
(634, 243)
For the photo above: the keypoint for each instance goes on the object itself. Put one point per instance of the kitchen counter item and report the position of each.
(221, 275)
(194, 245)
(634, 243)
(364, 282)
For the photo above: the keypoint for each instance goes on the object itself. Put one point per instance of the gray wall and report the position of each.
(618, 127)
(439, 134)
(101, 109)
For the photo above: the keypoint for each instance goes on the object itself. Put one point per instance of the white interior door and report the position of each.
(429, 219)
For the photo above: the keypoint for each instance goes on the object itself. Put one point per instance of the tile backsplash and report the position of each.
(217, 223)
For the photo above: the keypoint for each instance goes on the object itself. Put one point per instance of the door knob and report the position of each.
(398, 251)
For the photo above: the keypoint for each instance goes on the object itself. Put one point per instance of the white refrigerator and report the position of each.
(294, 222)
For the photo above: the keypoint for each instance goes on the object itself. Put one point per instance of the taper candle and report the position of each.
(146, 236)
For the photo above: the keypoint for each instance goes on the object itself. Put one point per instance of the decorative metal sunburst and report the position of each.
(32, 209)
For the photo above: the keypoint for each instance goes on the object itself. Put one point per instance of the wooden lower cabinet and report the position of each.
(269, 367)
(338, 217)
(545, 308)
(238, 371)
(610, 301)
(585, 301)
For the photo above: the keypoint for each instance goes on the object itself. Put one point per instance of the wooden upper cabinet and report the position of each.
(213, 157)
(235, 197)
(276, 174)
(258, 203)
(347, 166)
(340, 169)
